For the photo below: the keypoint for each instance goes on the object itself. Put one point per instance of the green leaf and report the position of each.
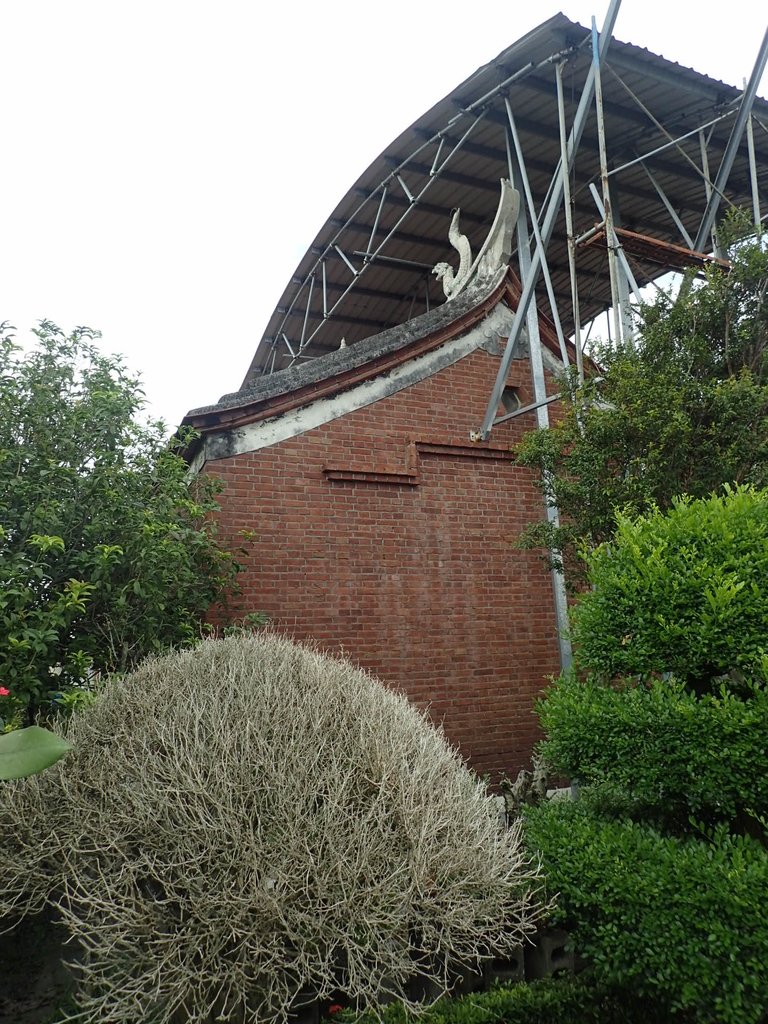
(29, 751)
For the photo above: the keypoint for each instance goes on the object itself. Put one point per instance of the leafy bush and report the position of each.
(681, 922)
(98, 523)
(561, 1000)
(661, 866)
(662, 745)
(682, 592)
(248, 819)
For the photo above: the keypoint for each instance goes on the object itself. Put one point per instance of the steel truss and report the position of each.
(621, 276)
(365, 238)
(390, 192)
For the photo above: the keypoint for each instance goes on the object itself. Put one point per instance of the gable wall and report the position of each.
(387, 535)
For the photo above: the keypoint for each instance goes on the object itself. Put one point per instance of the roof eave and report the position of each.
(251, 410)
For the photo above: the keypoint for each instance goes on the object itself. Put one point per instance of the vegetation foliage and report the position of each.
(106, 552)
(248, 820)
(682, 592)
(678, 919)
(560, 1000)
(681, 411)
(27, 751)
(673, 754)
(661, 866)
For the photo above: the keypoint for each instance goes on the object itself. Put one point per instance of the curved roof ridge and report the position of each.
(368, 268)
(439, 324)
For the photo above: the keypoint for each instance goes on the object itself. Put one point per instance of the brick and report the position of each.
(505, 971)
(549, 955)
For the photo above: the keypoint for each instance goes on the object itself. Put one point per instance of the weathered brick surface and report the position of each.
(414, 577)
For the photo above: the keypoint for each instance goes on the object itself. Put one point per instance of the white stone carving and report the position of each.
(495, 253)
(453, 283)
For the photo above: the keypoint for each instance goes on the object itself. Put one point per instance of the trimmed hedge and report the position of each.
(661, 744)
(682, 922)
(680, 592)
(562, 1000)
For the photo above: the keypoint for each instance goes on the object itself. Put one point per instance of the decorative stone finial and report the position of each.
(453, 283)
(494, 254)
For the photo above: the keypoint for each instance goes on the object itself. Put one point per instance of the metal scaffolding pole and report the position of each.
(674, 142)
(610, 234)
(542, 422)
(717, 249)
(553, 208)
(316, 306)
(667, 145)
(621, 255)
(745, 112)
(624, 281)
(756, 215)
(669, 207)
(523, 176)
(567, 205)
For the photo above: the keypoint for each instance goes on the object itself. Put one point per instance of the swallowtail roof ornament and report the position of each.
(494, 256)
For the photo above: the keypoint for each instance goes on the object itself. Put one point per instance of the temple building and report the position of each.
(370, 444)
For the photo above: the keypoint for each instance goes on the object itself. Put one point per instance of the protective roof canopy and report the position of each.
(369, 267)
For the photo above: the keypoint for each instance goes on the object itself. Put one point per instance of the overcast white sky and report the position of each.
(166, 163)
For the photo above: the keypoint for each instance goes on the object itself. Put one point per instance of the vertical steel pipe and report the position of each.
(553, 208)
(756, 215)
(737, 132)
(523, 175)
(610, 234)
(567, 206)
(542, 422)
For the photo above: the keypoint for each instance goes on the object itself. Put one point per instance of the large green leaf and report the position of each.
(28, 751)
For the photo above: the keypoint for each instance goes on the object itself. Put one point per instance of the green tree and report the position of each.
(107, 552)
(682, 411)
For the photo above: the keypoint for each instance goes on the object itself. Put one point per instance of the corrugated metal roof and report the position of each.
(354, 295)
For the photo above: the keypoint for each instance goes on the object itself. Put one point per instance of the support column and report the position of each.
(625, 288)
(542, 418)
(745, 112)
(717, 248)
(756, 215)
(567, 204)
(610, 235)
(553, 208)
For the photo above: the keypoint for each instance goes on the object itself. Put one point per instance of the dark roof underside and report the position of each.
(644, 97)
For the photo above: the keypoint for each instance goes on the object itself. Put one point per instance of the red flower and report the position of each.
(335, 1008)
(4, 692)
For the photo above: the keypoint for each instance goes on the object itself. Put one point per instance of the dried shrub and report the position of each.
(251, 820)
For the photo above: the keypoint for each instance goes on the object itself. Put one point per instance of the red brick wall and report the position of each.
(416, 578)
